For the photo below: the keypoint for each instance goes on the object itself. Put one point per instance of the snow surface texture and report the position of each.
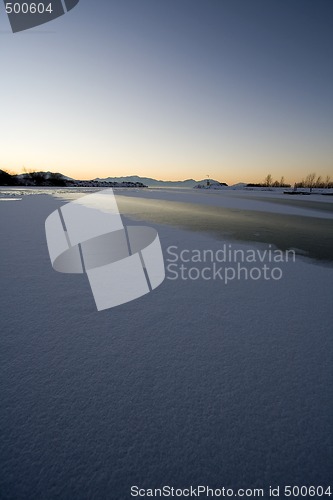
(196, 383)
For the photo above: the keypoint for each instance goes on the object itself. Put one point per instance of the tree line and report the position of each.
(311, 181)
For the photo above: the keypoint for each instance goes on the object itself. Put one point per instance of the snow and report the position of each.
(198, 382)
(10, 199)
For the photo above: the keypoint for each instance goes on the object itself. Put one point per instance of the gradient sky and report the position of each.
(171, 89)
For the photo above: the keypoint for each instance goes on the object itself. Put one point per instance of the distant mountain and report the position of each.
(57, 179)
(148, 181)
(239, 185)
(51, 179)
(7, 179)
(40, 179)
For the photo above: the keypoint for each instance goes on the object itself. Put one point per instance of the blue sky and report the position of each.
(171, 89)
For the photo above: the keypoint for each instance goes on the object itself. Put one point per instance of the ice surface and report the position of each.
(262, 201)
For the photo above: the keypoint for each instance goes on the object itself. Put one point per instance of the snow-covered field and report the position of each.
(199, 382)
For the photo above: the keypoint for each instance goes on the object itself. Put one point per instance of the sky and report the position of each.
(171, 89)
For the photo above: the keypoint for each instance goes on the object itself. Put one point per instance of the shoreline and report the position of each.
(310, 236)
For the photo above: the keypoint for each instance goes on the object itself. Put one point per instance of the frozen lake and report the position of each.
(194, 383)
(304, 225)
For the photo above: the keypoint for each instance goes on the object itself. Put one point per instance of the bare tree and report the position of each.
(327, 181)
(319, 181)
(268, 180)
(310, 181)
